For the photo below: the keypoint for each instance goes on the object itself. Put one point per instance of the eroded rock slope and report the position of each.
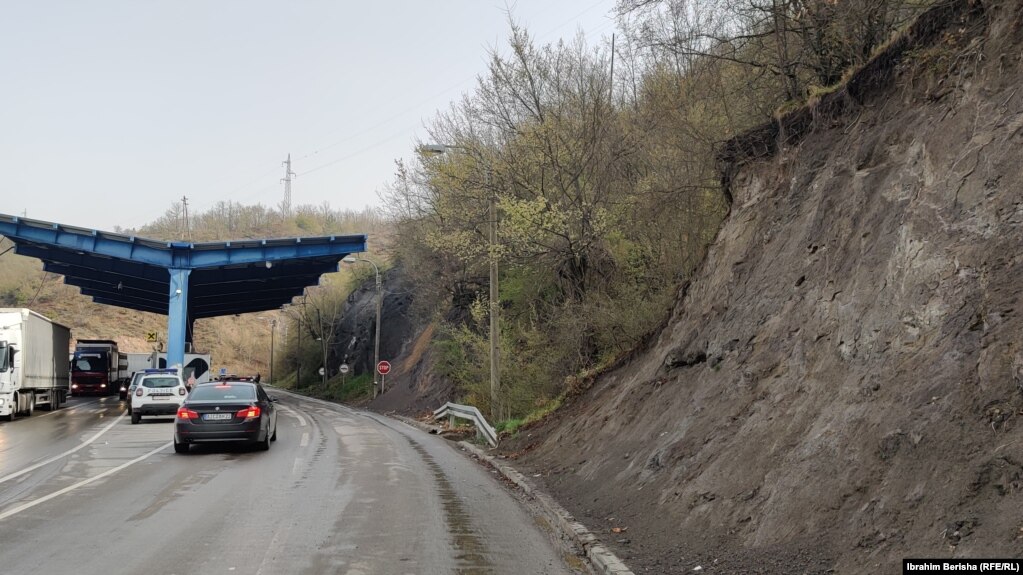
(840, 387)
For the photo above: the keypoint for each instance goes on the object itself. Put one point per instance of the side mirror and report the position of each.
(272, 397)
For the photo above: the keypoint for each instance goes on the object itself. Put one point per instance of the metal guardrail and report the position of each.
(469, 412)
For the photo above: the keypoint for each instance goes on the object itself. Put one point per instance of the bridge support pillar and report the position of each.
(177, 317)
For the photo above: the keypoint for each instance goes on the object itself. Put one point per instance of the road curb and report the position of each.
(601, 559)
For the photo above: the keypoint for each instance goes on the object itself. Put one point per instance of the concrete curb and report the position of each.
(601, 559)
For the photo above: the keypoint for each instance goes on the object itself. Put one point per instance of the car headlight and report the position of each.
(2, 401)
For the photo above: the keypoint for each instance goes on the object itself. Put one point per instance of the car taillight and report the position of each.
(185, 413)
(181, 391)
(138, 392)
(249, 412)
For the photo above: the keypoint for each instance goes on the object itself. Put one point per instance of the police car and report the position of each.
(159, 392)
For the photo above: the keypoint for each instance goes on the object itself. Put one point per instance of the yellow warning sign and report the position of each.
(151, 337)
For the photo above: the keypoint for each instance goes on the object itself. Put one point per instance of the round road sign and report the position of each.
(383, 368)
(343, 368)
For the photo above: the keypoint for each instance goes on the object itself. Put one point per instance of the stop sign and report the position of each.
(384, 367)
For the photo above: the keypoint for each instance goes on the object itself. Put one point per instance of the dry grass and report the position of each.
(419, 348)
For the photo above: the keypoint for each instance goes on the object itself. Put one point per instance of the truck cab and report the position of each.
(96, 367)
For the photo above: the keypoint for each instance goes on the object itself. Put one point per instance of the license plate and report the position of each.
(216, 416)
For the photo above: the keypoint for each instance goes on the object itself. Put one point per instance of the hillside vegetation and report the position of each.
(839, 386)
(602, 170)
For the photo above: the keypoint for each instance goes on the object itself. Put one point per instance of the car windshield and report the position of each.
(160, 382)
(221, 392)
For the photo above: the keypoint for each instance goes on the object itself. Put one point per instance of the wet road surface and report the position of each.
(82, 491)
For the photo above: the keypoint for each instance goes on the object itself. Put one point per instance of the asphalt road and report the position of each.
(84, 492)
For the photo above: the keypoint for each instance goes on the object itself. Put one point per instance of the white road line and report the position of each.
(69, 409)
(294, 468)
(65, 454)
(71, 488)
(293, 413)
(305, 440)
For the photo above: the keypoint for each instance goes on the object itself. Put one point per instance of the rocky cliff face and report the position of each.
(840, 387)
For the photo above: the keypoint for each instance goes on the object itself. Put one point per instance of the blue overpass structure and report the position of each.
(183, 280)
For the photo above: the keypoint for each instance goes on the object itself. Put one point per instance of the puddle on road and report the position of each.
(472, 557)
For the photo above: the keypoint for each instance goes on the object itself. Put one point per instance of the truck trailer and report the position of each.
(33, 371)
(197, 365)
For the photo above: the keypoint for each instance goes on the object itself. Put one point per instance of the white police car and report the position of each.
(159, 392)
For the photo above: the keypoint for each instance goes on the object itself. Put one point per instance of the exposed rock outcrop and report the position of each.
(840, 386)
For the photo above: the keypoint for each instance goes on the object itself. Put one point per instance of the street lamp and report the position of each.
(377, 388)
(273, 328)
(495, 372)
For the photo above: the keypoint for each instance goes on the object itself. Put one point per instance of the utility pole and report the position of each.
(288, 174)
(323, 345)
(495, 375)
(273, 328)
(186, 230)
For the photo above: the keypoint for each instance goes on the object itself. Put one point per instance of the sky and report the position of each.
(111, 111)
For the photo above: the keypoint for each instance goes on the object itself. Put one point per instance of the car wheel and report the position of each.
(265, 444)
(274, 436)
(180, 447)
(129, 409)
(135, 418)
(31, 405)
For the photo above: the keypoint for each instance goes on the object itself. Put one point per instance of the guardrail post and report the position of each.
(453, 410)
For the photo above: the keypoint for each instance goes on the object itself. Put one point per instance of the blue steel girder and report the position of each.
(73, 273)
(216, 308)
(184, 280)
(84, 261)
(125, 300)
(139, 307)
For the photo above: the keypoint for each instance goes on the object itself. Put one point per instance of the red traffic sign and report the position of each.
(384, 367)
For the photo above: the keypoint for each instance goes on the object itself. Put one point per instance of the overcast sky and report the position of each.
(111, 111)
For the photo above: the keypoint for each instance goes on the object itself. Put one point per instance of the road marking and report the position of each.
(69, 409)
(294, 468)
(305, 440)
(71, 488)
(65, 454)
(293, 413)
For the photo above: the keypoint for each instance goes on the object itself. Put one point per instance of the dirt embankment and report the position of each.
(840, 387)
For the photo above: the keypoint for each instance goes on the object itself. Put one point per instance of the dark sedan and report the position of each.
(226, 412)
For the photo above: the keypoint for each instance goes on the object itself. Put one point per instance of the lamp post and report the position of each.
(273, 328)
(298, 351)
(495, 364)
(377, 388)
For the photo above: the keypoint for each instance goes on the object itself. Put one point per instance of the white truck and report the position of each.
(196, 364)
(138, 362)
(33, 368)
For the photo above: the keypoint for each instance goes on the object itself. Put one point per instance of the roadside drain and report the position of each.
(472, 552)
